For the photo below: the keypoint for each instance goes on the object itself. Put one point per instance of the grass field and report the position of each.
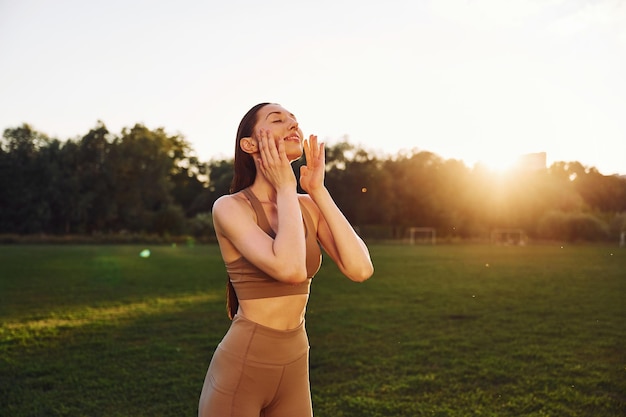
(437, 331)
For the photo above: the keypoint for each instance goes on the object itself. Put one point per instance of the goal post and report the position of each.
(509, 237)
(422, 235)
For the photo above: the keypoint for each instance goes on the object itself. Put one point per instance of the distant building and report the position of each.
(532, 161)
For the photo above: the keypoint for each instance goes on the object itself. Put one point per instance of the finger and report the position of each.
(282, 153)
(307, 150)
(262, 151)
(272, 146)
(262, 144)
(314, 147)
(322, 156)
(266, 146)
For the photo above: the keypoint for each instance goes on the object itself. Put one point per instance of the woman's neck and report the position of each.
(263, 190)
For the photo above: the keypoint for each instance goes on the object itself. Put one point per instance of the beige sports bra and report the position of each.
(250, 282)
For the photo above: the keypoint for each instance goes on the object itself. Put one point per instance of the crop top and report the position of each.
(250, 282)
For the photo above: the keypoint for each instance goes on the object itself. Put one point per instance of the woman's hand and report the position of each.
(273, 161)
(312, 174)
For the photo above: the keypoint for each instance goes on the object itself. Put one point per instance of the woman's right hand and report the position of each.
(273, 161)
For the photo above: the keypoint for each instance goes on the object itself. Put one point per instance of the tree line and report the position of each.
(148, 182)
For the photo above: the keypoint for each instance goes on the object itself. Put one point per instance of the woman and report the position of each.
(268, 236)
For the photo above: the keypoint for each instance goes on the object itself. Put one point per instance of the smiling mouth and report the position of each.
(294, 138)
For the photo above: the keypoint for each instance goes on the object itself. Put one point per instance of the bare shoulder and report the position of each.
(230, 206)
(308, 202)
(229, 201)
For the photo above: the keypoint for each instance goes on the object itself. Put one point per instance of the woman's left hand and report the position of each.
(312, 174)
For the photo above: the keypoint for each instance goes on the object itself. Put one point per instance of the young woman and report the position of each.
(269, 237)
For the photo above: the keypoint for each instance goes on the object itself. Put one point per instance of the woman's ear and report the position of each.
(248, 145)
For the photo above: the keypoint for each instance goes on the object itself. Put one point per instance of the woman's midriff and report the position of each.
(281, 313)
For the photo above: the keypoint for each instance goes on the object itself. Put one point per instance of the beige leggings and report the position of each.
(257, 371)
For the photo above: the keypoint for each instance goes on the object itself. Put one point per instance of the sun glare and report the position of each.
(502, 163)
(499, 163)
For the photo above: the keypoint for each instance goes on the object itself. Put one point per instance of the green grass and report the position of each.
(438, 331)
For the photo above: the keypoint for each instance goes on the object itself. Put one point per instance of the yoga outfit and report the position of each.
(258, 371)
(250, 282)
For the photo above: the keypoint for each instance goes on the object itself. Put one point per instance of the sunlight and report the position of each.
(499, 163)
(503, 163)
(109, 314)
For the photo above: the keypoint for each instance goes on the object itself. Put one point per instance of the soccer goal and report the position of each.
(508, 237)
(422, 235)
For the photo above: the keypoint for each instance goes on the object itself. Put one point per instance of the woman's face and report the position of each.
(282, 126)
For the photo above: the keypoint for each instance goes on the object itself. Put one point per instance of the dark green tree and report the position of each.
(141, 164)
(23, 208)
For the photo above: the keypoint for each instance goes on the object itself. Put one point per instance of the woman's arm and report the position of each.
(334, 232)
(283, 257)
(239, 235)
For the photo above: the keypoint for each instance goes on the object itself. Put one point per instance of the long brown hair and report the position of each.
(245, 173)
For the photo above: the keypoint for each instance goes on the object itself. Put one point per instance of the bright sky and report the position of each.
(477, 80)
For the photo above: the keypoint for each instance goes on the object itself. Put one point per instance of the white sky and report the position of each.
(465, 79)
